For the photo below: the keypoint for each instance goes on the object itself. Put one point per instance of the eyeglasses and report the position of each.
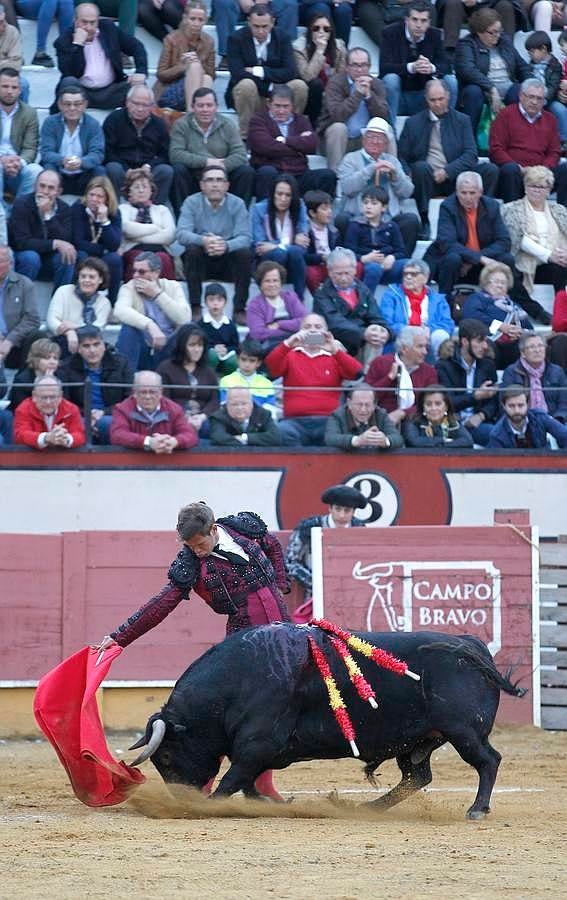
(359, 65)
(538, 187)
(325, 28)
(496, 32)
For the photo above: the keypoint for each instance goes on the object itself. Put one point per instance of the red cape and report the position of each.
(66, 710)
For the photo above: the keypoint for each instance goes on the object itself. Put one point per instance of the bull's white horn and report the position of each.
(158, 732)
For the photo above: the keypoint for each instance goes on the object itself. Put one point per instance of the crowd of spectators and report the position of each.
(352, 340)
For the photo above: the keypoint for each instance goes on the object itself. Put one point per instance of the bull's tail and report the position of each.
(477, 653)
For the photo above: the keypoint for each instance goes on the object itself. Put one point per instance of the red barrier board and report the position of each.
(478, 581)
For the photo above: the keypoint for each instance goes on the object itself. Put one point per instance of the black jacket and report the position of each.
(347, 325)
(115, 369)
(493, 236)
(27, 231)
(262, 431)
(457, 141)
(279, 67)
(396, 52)
(472, 62)
(115, 42)
(312, 258)
(125, 145)
(452, 374)
(553, 76)
(108, 239)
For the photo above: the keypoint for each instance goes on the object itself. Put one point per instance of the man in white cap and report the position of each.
(342, 500)
(374, 165)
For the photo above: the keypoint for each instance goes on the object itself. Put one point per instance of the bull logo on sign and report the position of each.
(452, 597)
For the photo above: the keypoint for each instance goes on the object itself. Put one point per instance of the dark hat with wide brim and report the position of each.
(343, 495)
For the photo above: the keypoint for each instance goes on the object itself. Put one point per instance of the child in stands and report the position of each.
(250, 358)
(378, 245)
(322, 237)
(220, 331)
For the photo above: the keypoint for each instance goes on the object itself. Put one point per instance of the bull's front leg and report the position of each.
(239, 777)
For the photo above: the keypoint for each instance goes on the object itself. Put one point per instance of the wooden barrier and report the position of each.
(553, 631)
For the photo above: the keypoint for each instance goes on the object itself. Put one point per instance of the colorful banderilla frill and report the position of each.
(341, 641)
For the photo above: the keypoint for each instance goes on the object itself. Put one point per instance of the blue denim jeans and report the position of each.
(303, 431)
(5, 427)
(407, 103)
(46, 267)
(132, 343)
(559, 110)
(45, 11)
(22, 183)
(375, 274)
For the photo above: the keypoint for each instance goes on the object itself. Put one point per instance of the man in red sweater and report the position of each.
(149, 421)
(310, 359)
(397, 374)
(46, 419)
(524, 134)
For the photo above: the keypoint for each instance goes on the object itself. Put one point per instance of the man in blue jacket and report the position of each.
(72, 142)
(91, 53)
(521, 428)
(436, 145)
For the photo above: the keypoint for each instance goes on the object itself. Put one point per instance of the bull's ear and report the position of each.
(179, 729)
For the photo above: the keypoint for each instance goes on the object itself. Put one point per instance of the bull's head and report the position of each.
(176, 753)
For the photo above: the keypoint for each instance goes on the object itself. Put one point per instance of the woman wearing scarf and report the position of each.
(145, 225)
(82, 303)
(435, 423)
(414, 303)
(538, 231)
(97, 229)
(546, 381)
(505, 320)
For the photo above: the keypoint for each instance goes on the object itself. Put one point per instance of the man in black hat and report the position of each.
(342, 500)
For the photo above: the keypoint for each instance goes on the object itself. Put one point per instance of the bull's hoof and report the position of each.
(475, 815)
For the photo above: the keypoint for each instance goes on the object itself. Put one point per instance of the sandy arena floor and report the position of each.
(53, 846)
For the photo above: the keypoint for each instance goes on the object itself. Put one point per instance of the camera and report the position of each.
(314, 339)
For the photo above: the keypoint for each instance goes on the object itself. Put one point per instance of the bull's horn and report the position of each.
(158, 732)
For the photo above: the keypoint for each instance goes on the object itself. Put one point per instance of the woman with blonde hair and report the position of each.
(538, 231)
(187, 60)
(43, 359)
(97, 229)
(145, 224)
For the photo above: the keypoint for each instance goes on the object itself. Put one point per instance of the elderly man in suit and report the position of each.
(260, 55)
(91, 53)
(436, 145)
(280, 141)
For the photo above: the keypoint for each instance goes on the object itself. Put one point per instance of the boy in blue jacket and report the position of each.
(378, 245)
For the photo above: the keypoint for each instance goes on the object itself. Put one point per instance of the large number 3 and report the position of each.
(383, 503)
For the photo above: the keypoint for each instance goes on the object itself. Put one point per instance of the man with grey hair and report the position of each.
(46, 419)
(151, 309)
(437, 144)
(136, 138)
(242, 423)
(525, 134)
(149, 421)
(397, 376)
(470, 234)
(375, 164)
(350, 309)
(359, 424)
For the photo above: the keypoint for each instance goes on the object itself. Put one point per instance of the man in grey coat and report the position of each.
(215, 228)
(202, 137)
(360, 424)
(19, 314)
(72, 142)
(374, 165)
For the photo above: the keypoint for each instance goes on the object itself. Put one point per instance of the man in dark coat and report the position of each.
(437, 145)
(104, 81)
(108, 374)
(522, 428)
(242, 423)
(359, 424)
(471, 375)
(350, 310)
(411, 54)
(260, 55)
(342, 501)
(280, 141)
(135, 137)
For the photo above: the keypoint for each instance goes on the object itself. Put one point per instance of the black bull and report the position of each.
(259, 699)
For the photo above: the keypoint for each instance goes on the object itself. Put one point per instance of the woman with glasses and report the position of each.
(414, 303)
(453, 15)
(538, 231)
(488, 67)
(318, 55)
(187, 60)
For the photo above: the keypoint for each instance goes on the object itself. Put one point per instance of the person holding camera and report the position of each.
(312, 360)
(350, 308)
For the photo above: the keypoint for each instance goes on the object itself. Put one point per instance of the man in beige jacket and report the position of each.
(151, 309)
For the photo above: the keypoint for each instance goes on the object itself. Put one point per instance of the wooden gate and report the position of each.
(553, 633)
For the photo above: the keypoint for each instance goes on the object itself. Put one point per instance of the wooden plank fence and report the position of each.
(553, 633)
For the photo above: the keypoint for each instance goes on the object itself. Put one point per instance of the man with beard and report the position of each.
(473, 379)
(522, 428)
